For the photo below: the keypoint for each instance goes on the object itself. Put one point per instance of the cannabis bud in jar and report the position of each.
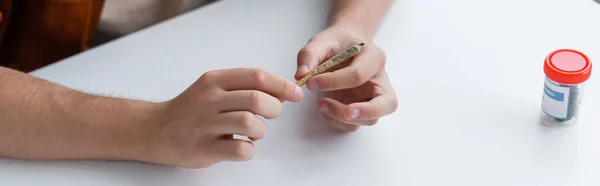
(566, 72)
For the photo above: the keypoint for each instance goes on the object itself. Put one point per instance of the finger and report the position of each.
(342, 113)
(314, 53)
(341, 126)
(253, 101)
(257, 79)
(241, 123)
(377, 107)
(233, 150)
(364, 66)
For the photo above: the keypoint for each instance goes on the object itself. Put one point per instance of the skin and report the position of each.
(46, 121)
(357, 92)
(42, 120)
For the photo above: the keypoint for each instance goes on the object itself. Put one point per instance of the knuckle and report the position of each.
(208, 97)
(342, 126)
(208, 77)
(279, 107)
(394, 105)
(246, 122)
(258, 77)
(315, 38)
(358, 76)
(372, 122)
(383, 56)
(263, 133)
(351, 128)
(285, 89)
(375, 111)
(256, 101)
(197, 165)
(304, 52)
(242, 151)
(336, 125)
(333, 80)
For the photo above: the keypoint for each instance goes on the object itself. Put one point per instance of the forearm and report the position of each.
(364, 15)
(46, 121)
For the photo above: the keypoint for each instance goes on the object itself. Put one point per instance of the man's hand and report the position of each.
(197, 127)
(358, 92)
(46, 121)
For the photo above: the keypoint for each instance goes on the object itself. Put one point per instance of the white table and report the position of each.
(468, 74)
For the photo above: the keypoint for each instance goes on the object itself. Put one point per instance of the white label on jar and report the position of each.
(555, 101)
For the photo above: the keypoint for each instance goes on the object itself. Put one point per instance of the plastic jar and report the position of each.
(566, 72)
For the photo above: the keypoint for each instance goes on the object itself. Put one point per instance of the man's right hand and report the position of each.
(195, 130)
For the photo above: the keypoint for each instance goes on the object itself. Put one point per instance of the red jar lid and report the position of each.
(567, 66)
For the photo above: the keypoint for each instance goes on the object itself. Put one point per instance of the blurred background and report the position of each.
(122, 17)
(36, 33)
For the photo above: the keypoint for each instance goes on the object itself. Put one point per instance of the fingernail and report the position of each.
(303, 69)
(355, 113)
(298, 92)
(313, 86)
(324, 107)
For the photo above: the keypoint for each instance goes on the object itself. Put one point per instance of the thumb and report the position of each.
(314, 53)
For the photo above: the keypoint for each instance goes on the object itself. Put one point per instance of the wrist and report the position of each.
(145, 129)
(114, 129)
(355, 28)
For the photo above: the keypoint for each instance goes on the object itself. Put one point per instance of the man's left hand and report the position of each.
(358, 92)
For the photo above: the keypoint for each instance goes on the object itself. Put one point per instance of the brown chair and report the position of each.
(35, 33)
